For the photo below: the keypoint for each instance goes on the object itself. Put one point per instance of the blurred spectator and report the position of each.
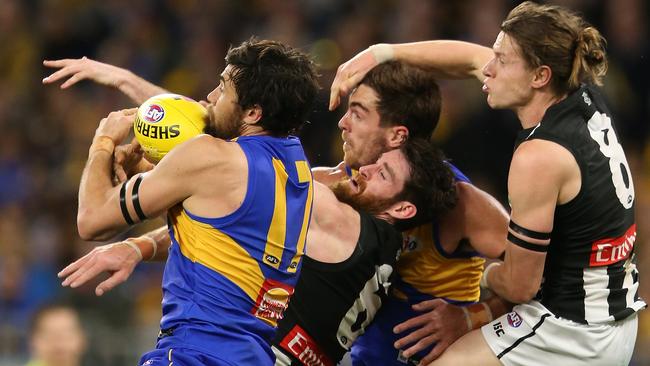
(56, 337)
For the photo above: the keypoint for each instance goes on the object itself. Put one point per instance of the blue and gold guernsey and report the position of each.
(425, 272)
(228, 280)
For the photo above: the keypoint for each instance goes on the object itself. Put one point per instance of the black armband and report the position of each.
(125, 211)
(135, 198)
(526, 244)
(529, 233)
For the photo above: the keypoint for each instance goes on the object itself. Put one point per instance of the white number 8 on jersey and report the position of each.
(600, 129)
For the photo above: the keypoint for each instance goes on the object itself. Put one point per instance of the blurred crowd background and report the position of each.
(45, 132)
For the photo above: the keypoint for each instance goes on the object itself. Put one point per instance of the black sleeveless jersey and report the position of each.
(590, 274)
(333, 303)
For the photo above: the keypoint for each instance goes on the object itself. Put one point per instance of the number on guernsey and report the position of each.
(600, 129)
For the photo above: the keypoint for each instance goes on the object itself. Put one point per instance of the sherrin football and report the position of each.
(166, 120)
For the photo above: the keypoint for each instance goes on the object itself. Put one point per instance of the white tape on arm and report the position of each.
(483, 283)
(383, 52)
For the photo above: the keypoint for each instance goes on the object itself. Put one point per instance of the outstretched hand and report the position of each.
(84, 68)
(441, 323)
(118, 259)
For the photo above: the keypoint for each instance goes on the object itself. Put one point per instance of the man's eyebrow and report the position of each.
(359, 105)
(390, 171)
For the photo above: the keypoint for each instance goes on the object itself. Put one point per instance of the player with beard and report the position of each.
(442, 260)
(349, 265)
(238, 210)
(570, 262)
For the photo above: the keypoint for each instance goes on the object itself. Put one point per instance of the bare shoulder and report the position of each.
(539, 163)
(474, 199)
(484, 221)
(204, 152)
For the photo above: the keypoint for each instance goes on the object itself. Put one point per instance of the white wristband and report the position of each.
(134, 246)
(155, 247)
(483, 283)
(383, 52)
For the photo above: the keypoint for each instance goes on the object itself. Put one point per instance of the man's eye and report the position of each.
(382, 175)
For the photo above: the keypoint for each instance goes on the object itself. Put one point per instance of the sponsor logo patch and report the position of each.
(608, 251)
(299, 344)
(272, 301)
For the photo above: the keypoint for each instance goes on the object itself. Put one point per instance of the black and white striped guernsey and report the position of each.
(334, 302)
(590, 275)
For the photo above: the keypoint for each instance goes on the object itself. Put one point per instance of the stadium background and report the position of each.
(45, 132)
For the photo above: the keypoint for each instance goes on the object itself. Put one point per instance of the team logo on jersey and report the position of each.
(154, 114)
(514, 319)
(299, 344)
(272, 301)
(608, 251)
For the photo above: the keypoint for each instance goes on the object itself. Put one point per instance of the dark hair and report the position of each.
(408, 96)
(431, 186)
(278, 78)
(560, 39)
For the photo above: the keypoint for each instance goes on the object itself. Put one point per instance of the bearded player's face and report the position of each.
(377, 186)
(225, 114)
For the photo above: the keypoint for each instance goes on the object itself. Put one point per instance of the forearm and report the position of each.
(137, 88)
(94, 190)
(514, 289)
(449, 59)
(328, 175)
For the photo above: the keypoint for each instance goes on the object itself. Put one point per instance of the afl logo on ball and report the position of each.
(154, 114)
(514, 319)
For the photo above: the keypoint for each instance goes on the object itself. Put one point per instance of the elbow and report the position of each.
(521, 294)
(87, 229)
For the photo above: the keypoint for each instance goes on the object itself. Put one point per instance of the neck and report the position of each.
(532, 112)
(252, 130)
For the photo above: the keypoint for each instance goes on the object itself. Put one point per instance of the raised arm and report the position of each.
(135, 87)
(117, 259)
(449, 59)
(104, 209)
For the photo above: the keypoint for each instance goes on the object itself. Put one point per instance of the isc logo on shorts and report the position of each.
(154, 114)
(514, 319)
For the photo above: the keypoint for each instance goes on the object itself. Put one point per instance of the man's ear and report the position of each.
(541, 77)
(397, 136)
(253, 114)
(402, 210)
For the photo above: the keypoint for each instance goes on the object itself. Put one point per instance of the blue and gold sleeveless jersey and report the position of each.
(228, 280)
(425, 271)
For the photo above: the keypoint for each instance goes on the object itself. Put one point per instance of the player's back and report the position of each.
(590, 274)
(228, 280)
